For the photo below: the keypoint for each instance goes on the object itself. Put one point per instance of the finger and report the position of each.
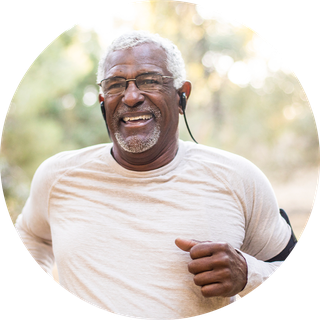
(204, 278)
(186, 244)
(210, 277)
(214, 290)
(207, 249)
(201, 265)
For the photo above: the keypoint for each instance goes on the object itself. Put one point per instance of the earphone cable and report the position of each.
(185, 120)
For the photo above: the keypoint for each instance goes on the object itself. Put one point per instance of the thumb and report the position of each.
(186, 244)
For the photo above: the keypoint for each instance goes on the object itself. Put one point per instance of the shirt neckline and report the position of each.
(116, 167)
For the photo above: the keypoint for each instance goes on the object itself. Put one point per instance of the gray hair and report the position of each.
(175, 63)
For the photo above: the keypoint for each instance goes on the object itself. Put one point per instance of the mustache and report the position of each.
(122, 110)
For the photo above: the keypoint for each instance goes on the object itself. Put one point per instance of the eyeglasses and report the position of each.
(144, 82)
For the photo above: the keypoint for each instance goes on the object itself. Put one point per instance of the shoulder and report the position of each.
(55, 166)
(237, 173)
(219, 160)
(77, 157)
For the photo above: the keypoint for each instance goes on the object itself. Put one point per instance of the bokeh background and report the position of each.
(245, 99)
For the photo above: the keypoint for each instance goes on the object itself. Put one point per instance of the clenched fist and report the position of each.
(217, 267)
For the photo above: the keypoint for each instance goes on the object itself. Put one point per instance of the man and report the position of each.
(150, 226)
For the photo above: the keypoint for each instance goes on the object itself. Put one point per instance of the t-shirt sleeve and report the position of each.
(267, 233)
(33, 223)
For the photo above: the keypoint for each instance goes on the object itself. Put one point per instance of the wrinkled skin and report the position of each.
(217, 267)
(153, 143)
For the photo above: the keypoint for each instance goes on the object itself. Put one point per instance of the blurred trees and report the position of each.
(54, 109)
(242, 100)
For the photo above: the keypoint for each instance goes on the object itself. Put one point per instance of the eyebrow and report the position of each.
(137, 72)
(149, 72)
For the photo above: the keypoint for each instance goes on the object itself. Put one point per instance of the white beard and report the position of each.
(135, 144)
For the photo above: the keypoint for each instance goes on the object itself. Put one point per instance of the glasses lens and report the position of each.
(149, 81)
(113, 85)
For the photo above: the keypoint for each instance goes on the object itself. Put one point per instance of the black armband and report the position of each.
(291, 244)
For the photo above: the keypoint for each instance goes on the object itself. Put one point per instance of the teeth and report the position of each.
(142, 117)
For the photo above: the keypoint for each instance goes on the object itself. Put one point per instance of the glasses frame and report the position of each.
(135, 81)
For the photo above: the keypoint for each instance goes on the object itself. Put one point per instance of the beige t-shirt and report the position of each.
(111, 231)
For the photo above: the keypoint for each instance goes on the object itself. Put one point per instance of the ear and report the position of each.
(103, 111)
(101, 98)
(186, 88)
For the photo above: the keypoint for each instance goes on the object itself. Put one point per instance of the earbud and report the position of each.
(183, 101)
(103, 111)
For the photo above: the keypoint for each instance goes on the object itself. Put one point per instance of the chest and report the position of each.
(96, 211)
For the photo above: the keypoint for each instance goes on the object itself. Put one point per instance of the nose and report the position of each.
(132, 96)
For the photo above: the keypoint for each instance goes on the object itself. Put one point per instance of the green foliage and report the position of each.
(54, 108)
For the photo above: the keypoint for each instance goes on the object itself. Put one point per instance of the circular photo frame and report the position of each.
(248, 108)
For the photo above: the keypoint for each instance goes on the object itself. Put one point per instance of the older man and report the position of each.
(110, 215)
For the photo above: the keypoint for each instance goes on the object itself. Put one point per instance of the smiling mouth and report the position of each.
(137, 131)
(137, 118)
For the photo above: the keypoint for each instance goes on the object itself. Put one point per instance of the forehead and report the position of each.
(146, 57)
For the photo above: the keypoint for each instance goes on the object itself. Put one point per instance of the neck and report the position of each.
(151, 159)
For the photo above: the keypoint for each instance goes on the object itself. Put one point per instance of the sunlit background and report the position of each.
(245, 99)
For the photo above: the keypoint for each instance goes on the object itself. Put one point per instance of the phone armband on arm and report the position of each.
(291, 244)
